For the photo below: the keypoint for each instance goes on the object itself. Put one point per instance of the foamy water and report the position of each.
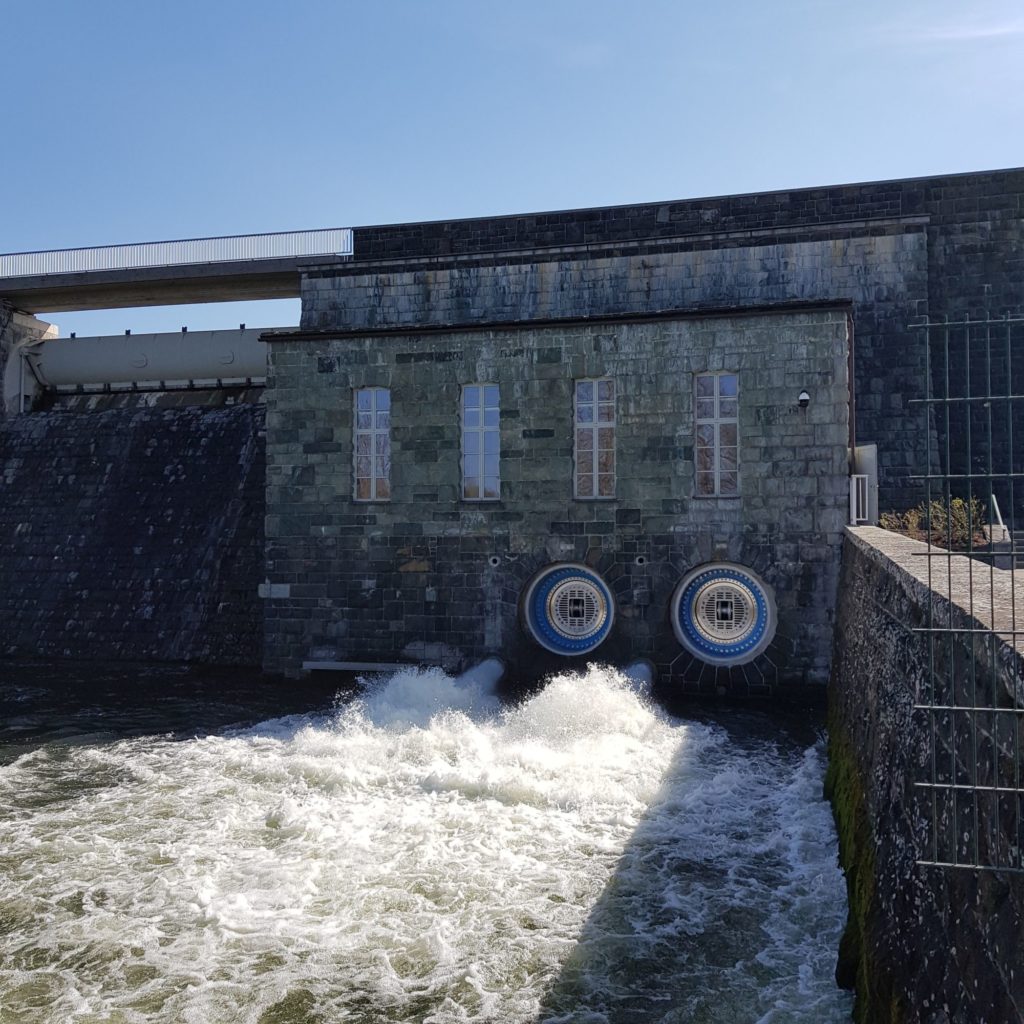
(424, 855)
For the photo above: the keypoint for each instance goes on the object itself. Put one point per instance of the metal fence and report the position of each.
(971, 701)
(279, 245)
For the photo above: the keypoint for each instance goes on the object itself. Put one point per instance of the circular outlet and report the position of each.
(568, 609)
(723, 613)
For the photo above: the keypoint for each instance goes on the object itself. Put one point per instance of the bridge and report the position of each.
(229, 268)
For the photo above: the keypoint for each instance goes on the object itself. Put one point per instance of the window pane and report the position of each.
(383, 420)
(705, 459)
(585, 485)
(606, 437)
(605, 390)
(364, 400)
(362, 467)
(705, 434)
(490, 441)
(472, 418)
(727, 433)
(380, 467)
(490, 417)
(470, 397)
(585, 414)
(705, 483)
(364, 420)
(383, 488)
(491, 487)
(491, 396)
(728, 483)
(606, 485)
(606, 413)
(362, 444)
(705, 409)
(471, 488)
(727, 408)
(490, 465)
(705, 386)
(363, 488)
(471, 442)
(382, 444)
(584, 440)
(728, 459)
(606, 462)
(585, 391)
(728, 384)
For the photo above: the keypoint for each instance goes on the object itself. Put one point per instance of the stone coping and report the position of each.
(965, 593)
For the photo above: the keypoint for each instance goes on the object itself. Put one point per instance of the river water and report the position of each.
(421, 852)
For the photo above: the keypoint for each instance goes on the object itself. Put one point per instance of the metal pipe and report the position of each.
(641, 672)
(132, 359)
(487, 673)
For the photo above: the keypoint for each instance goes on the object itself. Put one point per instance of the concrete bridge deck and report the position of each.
(230, 268)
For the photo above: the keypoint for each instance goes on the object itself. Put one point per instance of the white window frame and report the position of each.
(709, 415)
(586, 419)
(481, 435)
(378, 444)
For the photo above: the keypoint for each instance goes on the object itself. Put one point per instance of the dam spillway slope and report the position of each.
(133, 534)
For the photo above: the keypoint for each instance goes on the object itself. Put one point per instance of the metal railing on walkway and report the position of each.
(231, 248)
(972, 698)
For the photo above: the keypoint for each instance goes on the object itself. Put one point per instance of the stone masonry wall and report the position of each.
(965, 256)
(427, 576)
(132, 534)
(924, 945)
(881, 270)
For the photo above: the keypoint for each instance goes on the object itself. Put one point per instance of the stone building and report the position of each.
(617, 432)
(620, 432)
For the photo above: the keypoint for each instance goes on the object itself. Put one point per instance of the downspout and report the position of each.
(853, 391)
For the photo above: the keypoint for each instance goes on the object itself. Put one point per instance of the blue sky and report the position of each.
(143, 120)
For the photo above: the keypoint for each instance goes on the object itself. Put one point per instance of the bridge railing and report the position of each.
(231, 248)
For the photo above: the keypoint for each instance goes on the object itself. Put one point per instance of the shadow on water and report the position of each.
(716, 911)
(72, 704)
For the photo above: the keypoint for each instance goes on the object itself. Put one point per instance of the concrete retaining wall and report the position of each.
(923, 944)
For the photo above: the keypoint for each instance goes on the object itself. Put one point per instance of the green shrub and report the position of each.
(957, 524)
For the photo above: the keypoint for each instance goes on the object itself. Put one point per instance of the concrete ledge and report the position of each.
(355, 666)
(953, 585)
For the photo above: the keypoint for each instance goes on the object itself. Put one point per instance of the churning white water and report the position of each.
(421, 855)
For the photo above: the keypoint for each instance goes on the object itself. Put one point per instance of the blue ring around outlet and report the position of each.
(722, 653)
(543, 629)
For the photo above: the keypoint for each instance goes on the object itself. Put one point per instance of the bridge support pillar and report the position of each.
(16, 329)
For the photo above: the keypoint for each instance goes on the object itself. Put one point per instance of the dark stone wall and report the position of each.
(924, 945)
(817, 244)
(133, 534)
(428, 576)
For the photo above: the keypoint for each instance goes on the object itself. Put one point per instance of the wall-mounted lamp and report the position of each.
(804, 399)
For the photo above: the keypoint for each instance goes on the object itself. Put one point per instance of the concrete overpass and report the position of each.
(226, 269)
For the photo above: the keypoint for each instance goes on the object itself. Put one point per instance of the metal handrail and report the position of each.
(228, 248)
